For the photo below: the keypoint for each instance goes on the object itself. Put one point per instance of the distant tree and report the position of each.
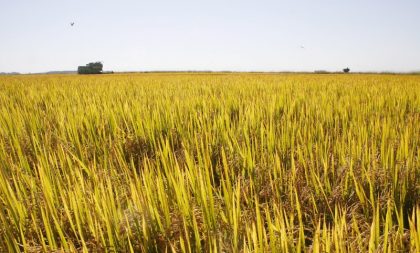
(91, 68)
(346, 70)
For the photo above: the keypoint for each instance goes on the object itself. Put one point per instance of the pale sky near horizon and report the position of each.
(369, 35)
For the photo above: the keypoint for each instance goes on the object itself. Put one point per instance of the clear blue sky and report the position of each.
(368, 35)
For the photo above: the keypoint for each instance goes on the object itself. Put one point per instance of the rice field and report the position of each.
(172, 162)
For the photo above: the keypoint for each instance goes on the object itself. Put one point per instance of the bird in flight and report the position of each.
(302, 47)
(72, 23)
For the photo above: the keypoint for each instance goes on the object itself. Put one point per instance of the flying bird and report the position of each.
(72, 23)
(302, 47)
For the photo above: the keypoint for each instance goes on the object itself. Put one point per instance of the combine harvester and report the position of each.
(91, 68)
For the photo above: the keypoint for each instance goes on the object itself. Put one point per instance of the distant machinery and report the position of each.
(346, 70)
(91, 68)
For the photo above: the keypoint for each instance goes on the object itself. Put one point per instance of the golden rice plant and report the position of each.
(210, 163)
